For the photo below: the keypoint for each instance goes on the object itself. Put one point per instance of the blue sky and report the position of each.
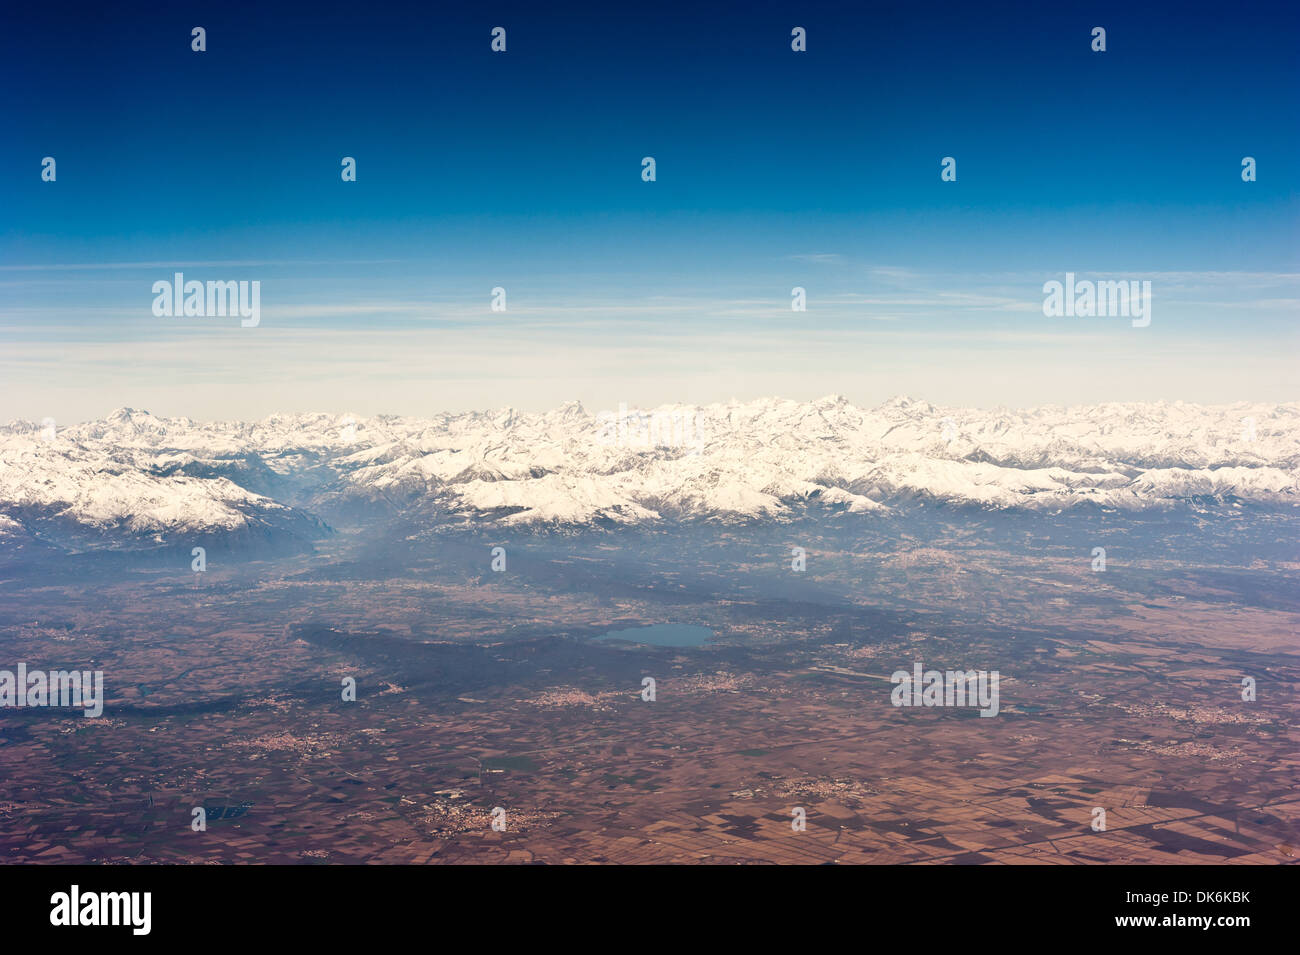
(522, 170)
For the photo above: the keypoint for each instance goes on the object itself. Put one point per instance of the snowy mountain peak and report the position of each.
(758, 460)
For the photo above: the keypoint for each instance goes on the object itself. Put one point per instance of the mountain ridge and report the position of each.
(135, 474)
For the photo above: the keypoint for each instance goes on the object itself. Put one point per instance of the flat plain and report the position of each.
(1120, 690)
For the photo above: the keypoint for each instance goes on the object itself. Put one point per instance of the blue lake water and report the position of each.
(663, 635)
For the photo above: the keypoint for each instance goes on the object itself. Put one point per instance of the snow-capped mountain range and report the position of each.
(135, 474)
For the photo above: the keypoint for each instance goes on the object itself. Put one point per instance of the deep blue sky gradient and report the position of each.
(523, 169)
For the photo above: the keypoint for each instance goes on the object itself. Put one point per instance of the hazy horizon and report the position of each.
(595, 409)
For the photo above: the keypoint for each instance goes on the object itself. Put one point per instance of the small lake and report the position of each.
(663, 635)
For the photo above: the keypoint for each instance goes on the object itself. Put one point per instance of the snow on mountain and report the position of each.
(760, 460)
(64, 485)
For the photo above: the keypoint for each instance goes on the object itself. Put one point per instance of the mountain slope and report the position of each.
(135, 475)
